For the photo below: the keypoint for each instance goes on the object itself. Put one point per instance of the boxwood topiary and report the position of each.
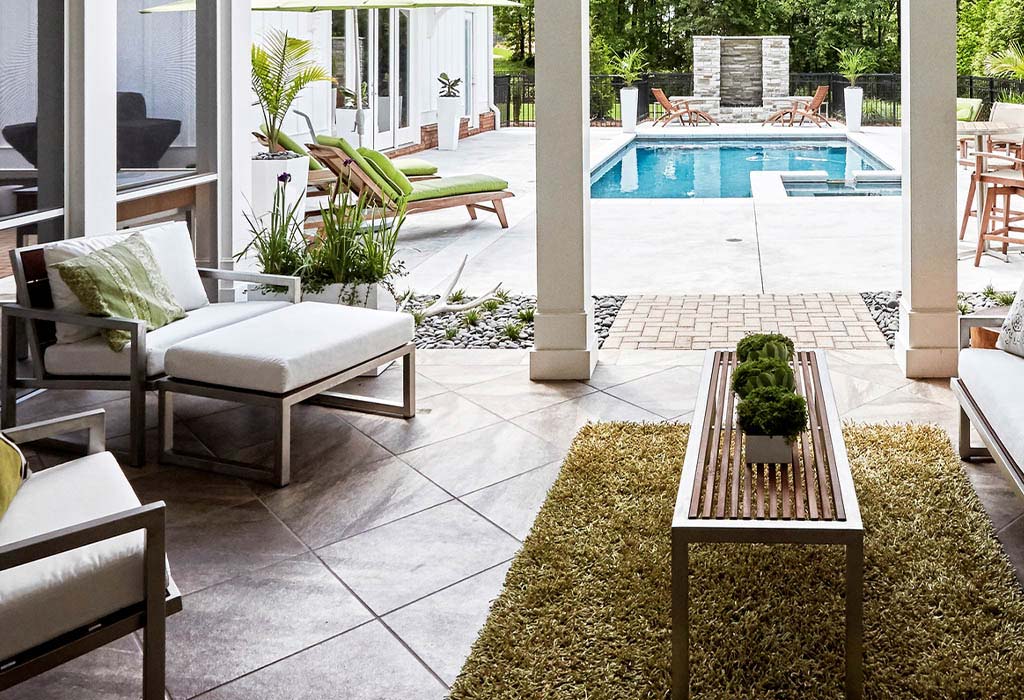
(762, 372)
(765, 345)
(773, 411)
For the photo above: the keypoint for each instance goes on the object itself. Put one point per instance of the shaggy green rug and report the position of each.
(585, 611)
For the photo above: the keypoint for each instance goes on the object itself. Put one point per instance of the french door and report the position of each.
(389, 77)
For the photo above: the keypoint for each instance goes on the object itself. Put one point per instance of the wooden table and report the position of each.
(721, 499)
(981, 132)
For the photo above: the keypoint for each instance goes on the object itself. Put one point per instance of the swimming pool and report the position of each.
(719, 168)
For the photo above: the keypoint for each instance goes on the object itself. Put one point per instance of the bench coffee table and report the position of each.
(292, 355)
(722, 499)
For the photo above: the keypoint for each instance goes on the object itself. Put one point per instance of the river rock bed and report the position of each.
(491, 328)
(885, 309)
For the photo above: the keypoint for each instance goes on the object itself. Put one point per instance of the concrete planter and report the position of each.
(370, 296)
(768, 449)
(854, 108)
(449, 120)
(628, 97)
(265, 175)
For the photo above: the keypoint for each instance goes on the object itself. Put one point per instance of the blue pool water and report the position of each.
(719, 168)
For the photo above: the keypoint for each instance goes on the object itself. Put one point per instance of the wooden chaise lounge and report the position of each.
(803, 110)
(681, 110)
(360, 176)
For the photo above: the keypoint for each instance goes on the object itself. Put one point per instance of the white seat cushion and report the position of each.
(93, 356)
(995, 380)
(289, 348)
(172, 249)
(44, 599)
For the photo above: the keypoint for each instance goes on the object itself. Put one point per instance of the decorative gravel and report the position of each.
(885, 309)
(491, 329)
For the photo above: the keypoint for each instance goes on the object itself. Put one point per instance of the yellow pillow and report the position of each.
(13, 471)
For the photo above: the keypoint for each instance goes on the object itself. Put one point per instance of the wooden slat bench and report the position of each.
(723, 499)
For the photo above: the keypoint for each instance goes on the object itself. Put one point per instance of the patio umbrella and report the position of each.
(306, 6)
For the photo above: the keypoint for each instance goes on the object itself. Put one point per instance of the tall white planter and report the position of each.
(449, 119)
(265, 174)
(854, 108)
(629, 96)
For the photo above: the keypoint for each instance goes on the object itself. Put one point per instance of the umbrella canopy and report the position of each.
(306, 6)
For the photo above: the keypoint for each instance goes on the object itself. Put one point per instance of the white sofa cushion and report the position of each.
(93, 356)
(52, 596)
(172, 248)
(289, 348)
(995, 380)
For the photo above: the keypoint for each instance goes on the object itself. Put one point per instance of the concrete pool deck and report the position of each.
(798, 245)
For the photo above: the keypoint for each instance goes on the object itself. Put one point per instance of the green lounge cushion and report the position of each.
(387, 170)
(122, 280)
(387, 187)
(455, 185)
(289, 144)
(967, 109)
(415, 167)
(13, 471)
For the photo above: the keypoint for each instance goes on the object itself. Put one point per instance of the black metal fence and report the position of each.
(515, 93)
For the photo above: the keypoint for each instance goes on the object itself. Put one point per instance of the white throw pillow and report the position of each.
(172, 248)
(1011, 337)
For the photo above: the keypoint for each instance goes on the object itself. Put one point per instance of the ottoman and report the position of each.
(295, 354)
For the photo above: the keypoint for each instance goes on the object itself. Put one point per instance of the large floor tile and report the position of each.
(998, 494)
(243, 624)
(437, 418)
(667, 393)
(608, 375)
(560, 423)
(367, 663)
(395, 564)
(227, 542)
(113, 672)
(485, 456)
(457, 375)
(341, 499)
(388, 386)
(513, 504)
(190, 493)
(914, 403)
(441, 628)
(514, 394)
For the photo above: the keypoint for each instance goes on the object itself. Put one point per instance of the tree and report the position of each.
(515, 26)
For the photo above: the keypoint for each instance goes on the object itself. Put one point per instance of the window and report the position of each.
(468, 83)
(156, 94)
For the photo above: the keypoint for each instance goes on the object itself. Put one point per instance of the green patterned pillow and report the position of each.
(122, 280)
(13, 471)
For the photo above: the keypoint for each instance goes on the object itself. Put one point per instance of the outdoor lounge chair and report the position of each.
(360, 176)
(803, 110)
(681, 110)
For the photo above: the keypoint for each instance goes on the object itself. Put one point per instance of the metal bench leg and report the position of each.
(137, 422)
(680, 618)
(283, 445)
(9, 360)
(165, 420)
(154, 636)
(855, 619)
(409, 385)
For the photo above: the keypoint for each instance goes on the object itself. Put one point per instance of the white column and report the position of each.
(91, 143)
(926, 345)
(565, 345)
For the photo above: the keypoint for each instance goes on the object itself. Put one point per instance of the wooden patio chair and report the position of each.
(681, 110)
(356, 174)
(803, 110)
(999, 222)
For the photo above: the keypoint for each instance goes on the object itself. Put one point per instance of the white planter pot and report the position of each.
(260, 294)
(449, 120)
(629, 96)
(768, 449)
(265, 183)
(854, 107)
(345, 123)
(370, 296)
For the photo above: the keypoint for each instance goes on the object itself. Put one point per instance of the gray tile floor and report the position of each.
(371, 574)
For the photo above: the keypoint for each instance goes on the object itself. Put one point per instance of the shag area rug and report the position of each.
(585, 612)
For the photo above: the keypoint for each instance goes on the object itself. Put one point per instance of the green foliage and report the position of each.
(527, 315)
(491, 305)
(1007, 63)
(999, 298)
(987, 31)
(764, 372)
(751, 347)
(281, 69)
(1012, 96)
(630, 66)
(513, 331)
(963, 307)
(449, 86)
(773, 411)
(419, 317)
(450, 332)
(458, 296)
(854, 63)
(516, 28)
(277, 241)
(503, 295)
(471, 318)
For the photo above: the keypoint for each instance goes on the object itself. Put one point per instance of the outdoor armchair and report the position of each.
(681, 110)
(803, 109)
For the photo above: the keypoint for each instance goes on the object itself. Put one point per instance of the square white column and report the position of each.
(565, 344)
(926, 345)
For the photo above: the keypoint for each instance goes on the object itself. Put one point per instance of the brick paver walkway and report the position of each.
(699, 322)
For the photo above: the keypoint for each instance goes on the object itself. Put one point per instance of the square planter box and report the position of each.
(768, 449)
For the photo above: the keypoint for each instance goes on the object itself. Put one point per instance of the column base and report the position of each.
(560, 365)
(926, 363)
(928, 342)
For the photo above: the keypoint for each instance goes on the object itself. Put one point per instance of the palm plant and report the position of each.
(281, 69)
(630, 66)
(854, 63)
(1008, 63)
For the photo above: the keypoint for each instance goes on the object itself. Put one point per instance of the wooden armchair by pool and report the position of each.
(803, 110)
(366, 172)
(681, 110)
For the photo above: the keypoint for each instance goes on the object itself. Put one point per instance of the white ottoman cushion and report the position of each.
(289, 348)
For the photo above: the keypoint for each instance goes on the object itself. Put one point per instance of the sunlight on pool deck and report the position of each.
(681, 246)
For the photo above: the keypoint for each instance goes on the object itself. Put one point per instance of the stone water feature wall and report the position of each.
(741, 78)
